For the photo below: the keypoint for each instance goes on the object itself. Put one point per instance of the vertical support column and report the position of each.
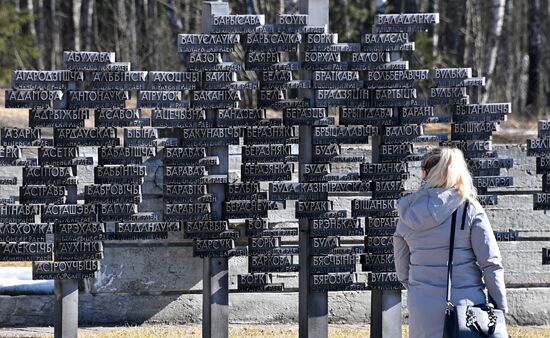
(66, 308)
(215, 274)
(66, 290)
(313, 305)
(386, 316)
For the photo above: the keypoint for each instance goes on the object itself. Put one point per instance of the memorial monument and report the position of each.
(328, 95)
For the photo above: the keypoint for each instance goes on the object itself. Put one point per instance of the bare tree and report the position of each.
(533, 27)
(495, 32)
(88, 24)
(77, 6)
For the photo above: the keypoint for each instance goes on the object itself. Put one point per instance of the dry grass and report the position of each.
(235, 331)
(245, 331)
(12, 264)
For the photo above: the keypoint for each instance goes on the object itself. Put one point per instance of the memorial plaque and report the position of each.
(263, 245)
(145, 230)
(406, 23)
(173, 80)
(211, 136)
(236, 23)
(487, 200)
(342, 97)
(266, 172)
(373, 208)
(335, 282)
(10, 156)
(180, 118)
(32, 98)
(386, 42)
(473, 130)
(272, 263)
(306, 116)
(269, 135)
(17, 213)
(83, 232)
(312, 209)
(48, 80)
(241, 191)
(188, 212)
(383, 281)
(241, 117)
(76, 251)
(65, 270)
(275, 42)
(292, 22)
(506, 236)
(379, 244)
(333, 263)
(112, 193)
(124, 155)
(212, 245)
(42, 194)
(200, 229)
(378, 262)
(340, 134)
(384, 171)
(493, 181)
(268, 153)
(140, 136)
(255, 226)
(97, 99)
(21, 137)
(312, 191)
(207, 43)
(24, 232)
(119, 117)
(38, 175)
(130, 80)
(336, 227)
(249, 209)
(33, 251)
(57, 118)
(74, 137)
(87, 60)
(117, 212)
(161, 99)
(254, 281)
(183, 174)
(364, 116)
(381, 226)
(121, 174)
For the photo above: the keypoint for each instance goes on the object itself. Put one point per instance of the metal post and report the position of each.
(313, 305)
(66, 308)
(66, 290)
(215, 294)
(386, 317)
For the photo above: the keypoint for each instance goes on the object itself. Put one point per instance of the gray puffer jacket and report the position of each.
(421, 248)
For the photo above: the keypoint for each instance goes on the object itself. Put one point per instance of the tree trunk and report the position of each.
(55, 50)
(533, 28)
(493, 42)
(32, 29)
(122, 21)
(88, 25)
(77, 5)
(132, 28)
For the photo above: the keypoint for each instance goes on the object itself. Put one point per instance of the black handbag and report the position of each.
(469, 321)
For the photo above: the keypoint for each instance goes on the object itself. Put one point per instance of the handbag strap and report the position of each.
(451, 249)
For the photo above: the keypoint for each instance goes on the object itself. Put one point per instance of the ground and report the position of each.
(236, 331)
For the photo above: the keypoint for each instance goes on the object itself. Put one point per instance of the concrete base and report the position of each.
(528, 306)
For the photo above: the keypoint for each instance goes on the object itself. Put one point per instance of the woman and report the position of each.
(421, 245)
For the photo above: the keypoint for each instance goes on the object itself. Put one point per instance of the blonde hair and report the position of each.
(447, 168)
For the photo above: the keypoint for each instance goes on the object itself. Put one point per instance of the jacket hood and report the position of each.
(428, 207)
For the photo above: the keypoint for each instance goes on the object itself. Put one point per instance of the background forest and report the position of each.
(504, 40)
